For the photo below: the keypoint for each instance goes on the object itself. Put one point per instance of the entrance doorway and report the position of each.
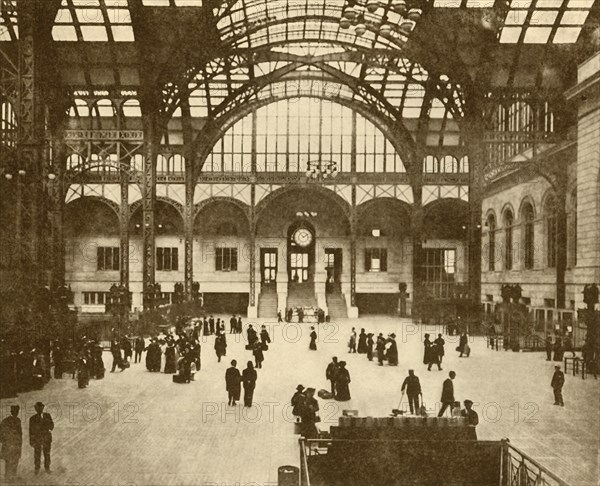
(268, 265)
(299, 267)
(333, 267)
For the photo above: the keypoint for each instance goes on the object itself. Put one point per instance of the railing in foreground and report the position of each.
(517, 468)
(522, 470)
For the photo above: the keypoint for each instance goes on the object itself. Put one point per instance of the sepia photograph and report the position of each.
(364, 234)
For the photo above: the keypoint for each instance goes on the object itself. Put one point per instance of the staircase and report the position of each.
(267, 302)
(301, 295)
(337, 305)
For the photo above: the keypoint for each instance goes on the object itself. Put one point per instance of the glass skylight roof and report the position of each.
(543, 21)
(93, 21)
(9, 30)
(172, 3)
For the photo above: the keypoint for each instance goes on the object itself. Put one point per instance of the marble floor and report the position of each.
(138, 428)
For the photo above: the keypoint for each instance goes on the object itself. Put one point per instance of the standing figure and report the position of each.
(265, 339)
(232, 325)
(297, 402)
(170, 358)
(83, 373)
(239, 325)
(249, 377)
(470, 414)
(434, 356)
(463, 345)
(558, 349)
(140, 345)
(205, 326)
(127, 348)
(211, 325)
(549, 345)
(115, 350)
(558, 380)
(380, 349)
(370, 344)
(11, 438)
(301, 315)
(413, 390)
(447, 394)
(289, 314)
(331, 373)
(427, 349)
(220, 346)
(313, 340)
(309, 412)
(257, 351)
(233, 379)
(40, 436)
(252, 337)
(352, 342)
(342, 380)
(392, 352)
(362, 342)
(279, 316)
(439, 343)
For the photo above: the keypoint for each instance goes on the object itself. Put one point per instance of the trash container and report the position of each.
(288, 476)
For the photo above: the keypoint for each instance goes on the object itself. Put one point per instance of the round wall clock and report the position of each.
(302, 237)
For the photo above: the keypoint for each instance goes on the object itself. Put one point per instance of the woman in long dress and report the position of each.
(170, 359)
(362, 342)
(426, 350)
(392, 352)
(370, 344)
(313, 340)
(342, 380)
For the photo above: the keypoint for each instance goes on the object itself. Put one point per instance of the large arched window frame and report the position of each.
(508, 239)
(528, 219)
(288, 135)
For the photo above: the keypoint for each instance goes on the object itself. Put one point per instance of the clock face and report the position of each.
(302, 237)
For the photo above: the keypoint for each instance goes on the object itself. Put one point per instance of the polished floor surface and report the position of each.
(138, 428)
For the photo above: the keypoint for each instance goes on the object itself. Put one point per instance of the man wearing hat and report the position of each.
(331, 373)
(11, 438)
(413, 390)
(40, 436)
(558, 380)
(298, 402)
(470, 414)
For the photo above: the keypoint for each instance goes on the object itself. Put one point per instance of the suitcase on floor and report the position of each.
(178, 379)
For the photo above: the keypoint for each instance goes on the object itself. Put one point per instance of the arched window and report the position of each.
(131, 109)
(104, 115)
(431, 165)
(137, 163)
(80, 109)
(491, 225)
(449, 165)
(550, 222)
(291, 135)
(176, 163)
(464, 165)
(528, 219)
(75, 162)
(508, 239)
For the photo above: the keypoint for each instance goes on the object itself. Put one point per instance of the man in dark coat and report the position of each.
(115, 350)
(232, 325)
(252, 336)
(439, 343)
(11, 438)
(249, 377)
(40, 436)
(413, 390)
(140, 344)
(211, 324)
(331, 372)
(233, 379)
(447, 394)
(342, 380)
(380, 348)
(239, 325)
(558, 380)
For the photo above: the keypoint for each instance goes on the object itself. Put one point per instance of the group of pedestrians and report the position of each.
(41, 426)
(339, 377)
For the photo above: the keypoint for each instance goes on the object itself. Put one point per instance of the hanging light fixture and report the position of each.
(414, 14)
(372, 5)
(350, 13)
(399, 6)
(360, 29)
(8, 177)
(345, 23)
(385, 29)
